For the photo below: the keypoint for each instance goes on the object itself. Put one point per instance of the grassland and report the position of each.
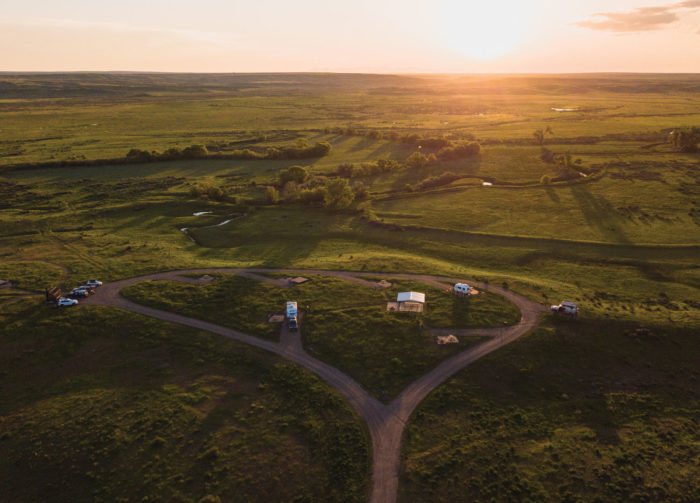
(117, 406)
(623, 241)
(344, 323)
(526, 424)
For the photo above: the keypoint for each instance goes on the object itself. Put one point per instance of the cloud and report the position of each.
(640, 19)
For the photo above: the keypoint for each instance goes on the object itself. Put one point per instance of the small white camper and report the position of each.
(462, 288)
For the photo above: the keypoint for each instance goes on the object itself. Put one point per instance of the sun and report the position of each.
(485, 30)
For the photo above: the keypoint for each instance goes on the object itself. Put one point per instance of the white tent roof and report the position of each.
(411, 297)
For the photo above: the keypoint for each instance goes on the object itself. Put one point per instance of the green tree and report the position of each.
(296, 174)
(417, 160)
(339, 194)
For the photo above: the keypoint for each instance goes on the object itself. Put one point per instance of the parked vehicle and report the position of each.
(567, 308)
(89, 289)
(93, 283)
(64, 302)
(292, 314)
(462, 288)
(76, 292)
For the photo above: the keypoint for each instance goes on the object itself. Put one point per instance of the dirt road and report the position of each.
(386, 422)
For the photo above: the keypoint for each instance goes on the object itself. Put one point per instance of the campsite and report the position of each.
(340, 192)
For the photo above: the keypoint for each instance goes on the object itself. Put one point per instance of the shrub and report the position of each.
(547, 155)
(296, 174)
(338, 195)
(215, 193)
(438, 181)
(360, 191)
(685, 139)
(346, 170)
(311, 196)
(417, 160)
(194, 152)
(272, 195)
(290, 192)
(545, 180)
(460, 151)
(139, 155)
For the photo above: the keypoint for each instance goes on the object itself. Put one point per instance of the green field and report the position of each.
(117, 406)
(345, 324)
(574, 411)
(528, 424)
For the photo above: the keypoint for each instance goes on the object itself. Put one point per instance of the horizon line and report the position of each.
(311, 72)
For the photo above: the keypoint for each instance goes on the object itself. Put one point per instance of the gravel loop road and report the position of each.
(386, 422)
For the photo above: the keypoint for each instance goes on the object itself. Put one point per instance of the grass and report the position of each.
(34, 276)
(623, 243)
(232, 301)
(444, 310)
(529, 424)
(120, 406)
(345, 324)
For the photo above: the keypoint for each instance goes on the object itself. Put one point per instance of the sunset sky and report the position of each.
(410, 36)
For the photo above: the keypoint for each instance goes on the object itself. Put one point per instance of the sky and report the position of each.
(376, 36)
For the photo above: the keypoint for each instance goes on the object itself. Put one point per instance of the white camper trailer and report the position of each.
(462, 289)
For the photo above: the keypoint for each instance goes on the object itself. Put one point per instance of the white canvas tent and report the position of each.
(411, 297)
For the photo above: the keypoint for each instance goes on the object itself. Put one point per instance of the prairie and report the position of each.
(603, 211)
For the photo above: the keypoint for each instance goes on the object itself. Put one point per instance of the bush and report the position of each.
(290, 192)
(460, 151)
(194, 152)
(545, 180)
(139, 155)
(685, 139)
(547, 156)
(272, 196)
(296, 174)
(311, 196)
(360, 191)
(345, 170)
(338, 195)
(416, 160)
(215, 193)
(438, 181)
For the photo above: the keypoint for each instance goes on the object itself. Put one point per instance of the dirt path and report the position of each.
(386, 422)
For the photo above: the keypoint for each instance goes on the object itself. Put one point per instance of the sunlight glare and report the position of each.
(487, 29)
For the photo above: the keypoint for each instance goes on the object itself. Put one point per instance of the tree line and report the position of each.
(302, 150)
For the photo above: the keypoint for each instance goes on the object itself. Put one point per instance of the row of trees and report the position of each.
(349, 170)
(302, 150)
(174, 153)
(417, 160)
(335, 193)
(205, 191)
(430, 143)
